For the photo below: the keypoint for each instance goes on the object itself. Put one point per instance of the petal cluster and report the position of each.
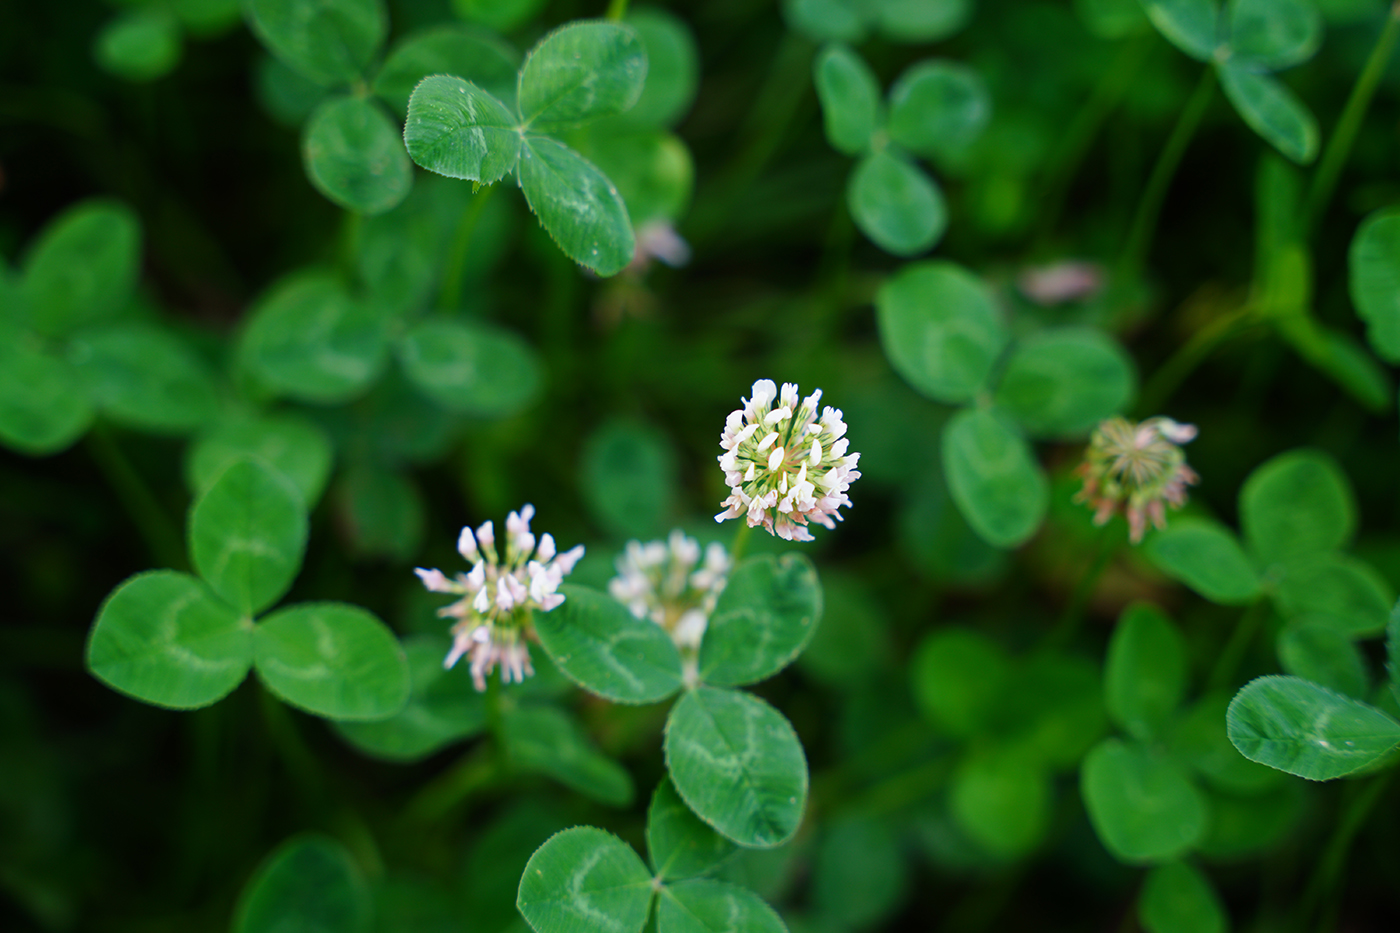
(499, 594)
(1136, 470)
(786, 466)
(665, 581)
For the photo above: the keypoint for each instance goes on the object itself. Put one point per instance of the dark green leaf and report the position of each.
(738, 764)
(673, 67)
(43, 405)
(1272, 111)
(383, 510)
(309, 883)
(850, 98)
(702, 905)
(139, 45)
(1255, 825)
(163, 638)
(1206, 557)
(1177, 898)
(859, 874)
(994, 478)
(577, 204)
(940, 330)
(852, 644)
(354, 155)
(763, 620)
(1198, 739)
(1348, 590)
(457, 129)
(1303, 728)
(1001, 798)
(248, 534)
(332, 659)
(1392, 652)
(580, 72)
(1271, 35)
(286, 442)
(585, 879)
(827, 20)
(1140, 802)
(1111, 19)
(82, 268)
(1056, 711)
(1145, 675)
(1297, 504)
(545, 740)
(328, 41)
(681, 845)
(1374, 262)
(651, 168)
(1316, 650)
(1344, 360)
(477, 55)
(1190, 25)
(145, 377)
(286, 95)
(628, 478)
(471, 366)
(922, 20)
(938, 108)
(958, 676)
(1063, 382)
(896, 204)
(605, 649)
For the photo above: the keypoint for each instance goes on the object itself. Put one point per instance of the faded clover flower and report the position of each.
(660, 581)
(785, 466)
(1136, 470)
(499, 596)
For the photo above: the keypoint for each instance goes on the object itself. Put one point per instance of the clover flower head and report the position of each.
(666, 581)
(499, 595)
(1138, 470)
(786, 466)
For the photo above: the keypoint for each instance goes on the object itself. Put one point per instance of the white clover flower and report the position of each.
(1138, 470)
(784, 465)
(499, 596)
(660, 581)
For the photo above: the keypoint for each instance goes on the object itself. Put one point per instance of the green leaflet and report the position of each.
(248, 534)
(145, 377)
(605, 649)
(43, 405)
(1272, 111)
(1306, 729)
(850, 98)
(328, 41)
(577, 204)
(765, 617)
(738, 764)
(477, 55)
(938, 108)
(628, 476)
(82, 268)
(140, 44)
(1141, 803)
(673, 67)
(332, 659)
(859, 874)
(1271, 35)
(383, 510)
(681, 845)
(1178, 898)
(702, 905)
(959, 675)
(471, 366)
(1315, 649)
(354, 155)
(545, 740)
(993, 477)
(164, 638)
(457, 129)
(1190, 25)
(293, 446)
(308, 883)
(1001, 798)
(896, 204)
(1297, 504)
(1206, 557)
(1198, 738)
(580, 72)
(585, 879)
(1145, 674)
(1374, 263)
(1344, 589)
(1062, 382)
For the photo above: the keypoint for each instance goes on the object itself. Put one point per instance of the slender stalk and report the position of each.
(1321, 893)
(296, 757)
(1233, 652)
(1184, 361)
(161, 535)
(1144, 224)
(1344, 134)
(1073, 616)
(617, 9)
(741, 539)
(450, 293)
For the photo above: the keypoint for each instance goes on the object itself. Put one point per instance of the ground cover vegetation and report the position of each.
(819, 465)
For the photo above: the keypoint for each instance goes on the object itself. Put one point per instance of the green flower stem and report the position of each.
(1226, 664)
(1073, 616)
(617, 10)
(1171, 374)
(450, 292)
(1144, 225)
(741, 540)
(161, 534)
(1322, 893)
(475, 771)
(1349, 123)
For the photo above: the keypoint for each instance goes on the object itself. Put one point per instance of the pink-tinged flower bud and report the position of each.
(1136, 471)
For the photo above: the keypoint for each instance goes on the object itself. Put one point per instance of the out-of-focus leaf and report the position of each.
(1111, 19)
(859, 875)
(1177, 898)
(328, 41)
(1345, 589)
(1063, 382)
(827, 20)
(1206, 557)
(938, 108)
(850, 98)
(1001, 799)
(383, 511)
(141, 44)
(920, 21)
(477, 55)
(1145, 675)
(1296, 504)
(145, 377)
(896, 204)
(1318, 651)
(82, 267)
(286, 442)
(471, 366)
(308, 883)
(545, 740)
(1190, 25)
(1272, 111)
(1272, 34)
(651, 168)
(1198, 739)
(580, 72)
(1306, 729)
(628, 478)
(994, 478)
(43, 405)
(1056, 711)
(1140, 802)
(354, 155)
(958, 676)
(1374, 261)
(577, 204)
(764, 618)
(500, 15)
(673, 66)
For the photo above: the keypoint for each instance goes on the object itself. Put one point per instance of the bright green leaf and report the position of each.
(938, 108)
(1318, 651)
(860, 872)
(1145, 674)
(145, 377)
(765, 617)
(471, 366)
(1177, 898)
(477, 55)
(1140, 802)
(1190, 25)
(288, 443)
(1271, 35)
(164, 638)
(457, 129)
(1272, 111)
(332, 659)
(354, 155)
(1374, 261)
(82, 267)
(1297, 504)
(309, 883)
(140, 44)
(545, 740)
(585, 879)
(44, 407)
(703, 905)
(443, 707)
(738, 764)
(328, 41)
(681, 845)
(1001, 799)
(248, 534)
(1344, 588)
(605, 649)
(673, 67)
(958, 677)
(940, 330)
(994, 478)
(580, 72)
(307, 338)
(1063, 382)
(897, 205)
(1206, 557)
(850, 98)
(577, 204)
(1306, 729)
(922, 20)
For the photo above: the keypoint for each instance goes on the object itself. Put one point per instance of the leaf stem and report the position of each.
(741, 540)
(450, 293)
(617, 9)
(1321, 894)
(1144, 224)
(1233, 652)
(1349, 123)
(154, 525)
(1073, 616)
